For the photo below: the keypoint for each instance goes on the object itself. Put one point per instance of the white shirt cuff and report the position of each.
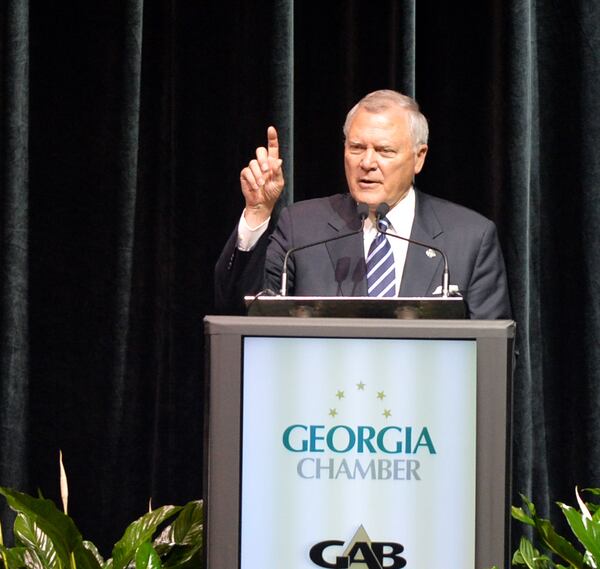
(248, 236)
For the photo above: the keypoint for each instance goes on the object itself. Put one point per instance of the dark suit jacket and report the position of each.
(337, 268)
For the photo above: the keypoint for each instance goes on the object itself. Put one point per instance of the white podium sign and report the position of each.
(358, 453)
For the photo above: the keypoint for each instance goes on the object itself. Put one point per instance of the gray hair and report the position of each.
(384, 99)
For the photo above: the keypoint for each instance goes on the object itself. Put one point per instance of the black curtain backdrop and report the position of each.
(124, 126)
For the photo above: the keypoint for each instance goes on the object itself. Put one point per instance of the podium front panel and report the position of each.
(359, 444)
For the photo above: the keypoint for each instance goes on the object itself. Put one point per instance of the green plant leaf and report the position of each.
(529, 556)
(85, 558)
(591, 562)
(527, 553)
(177, 556)
(146, 557)
(546, 532)
(94, 551)
(585, 529)
(31, 536)
(181, 560)
(529, 505)
(520, 515)
(558, 544)
(593, 507)
(59, 528)
(32, 560)
(179, 543)
(594, 510)
(14, 557)
(187, 527)
(137, 533)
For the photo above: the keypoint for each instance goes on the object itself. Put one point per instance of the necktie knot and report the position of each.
(383, 224)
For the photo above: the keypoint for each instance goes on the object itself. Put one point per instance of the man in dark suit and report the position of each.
(385, 147)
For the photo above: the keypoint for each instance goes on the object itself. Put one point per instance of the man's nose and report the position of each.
(369, 159)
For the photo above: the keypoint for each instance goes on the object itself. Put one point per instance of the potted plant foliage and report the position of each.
(557, 551)
(47, 538)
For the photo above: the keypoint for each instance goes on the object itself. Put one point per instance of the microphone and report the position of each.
(363, 212)
(381, 211)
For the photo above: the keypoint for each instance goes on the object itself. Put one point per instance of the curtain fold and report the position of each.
(282, 73)
(128, 139)
(522, 147)
(403, 30)
(588, 57)
(14, 253)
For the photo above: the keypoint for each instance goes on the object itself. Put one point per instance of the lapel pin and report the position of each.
(430, 253)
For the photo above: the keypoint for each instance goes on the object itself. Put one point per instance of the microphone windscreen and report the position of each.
(382, 210)
(363, 211)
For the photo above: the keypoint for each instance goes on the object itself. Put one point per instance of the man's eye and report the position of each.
(387, 152)
(356, 149)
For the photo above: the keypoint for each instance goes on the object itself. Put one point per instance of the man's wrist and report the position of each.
(249, 235)
(255, 216)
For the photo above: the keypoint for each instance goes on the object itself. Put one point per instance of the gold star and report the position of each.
(380, 395)
(360, 386)
(340, 394)
(332, 412)
(387, 413)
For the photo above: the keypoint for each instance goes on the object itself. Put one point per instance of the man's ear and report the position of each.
(420, 154)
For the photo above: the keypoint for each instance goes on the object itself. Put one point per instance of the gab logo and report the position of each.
(360, 553)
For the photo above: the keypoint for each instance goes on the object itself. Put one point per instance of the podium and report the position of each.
(357, 443)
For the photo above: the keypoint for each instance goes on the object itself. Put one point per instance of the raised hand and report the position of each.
(262, 181)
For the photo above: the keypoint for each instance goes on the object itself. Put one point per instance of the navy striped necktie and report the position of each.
(381, 275)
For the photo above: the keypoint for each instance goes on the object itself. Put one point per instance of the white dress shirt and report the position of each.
(248, 236)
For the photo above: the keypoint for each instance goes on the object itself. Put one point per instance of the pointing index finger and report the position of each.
(273, 143)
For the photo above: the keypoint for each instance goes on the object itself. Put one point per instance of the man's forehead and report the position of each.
(366, 140)
(383, 127)
(392, 117)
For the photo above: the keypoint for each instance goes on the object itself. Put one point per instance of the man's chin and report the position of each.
(372, 199)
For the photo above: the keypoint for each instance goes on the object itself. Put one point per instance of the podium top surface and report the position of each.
(363, 327)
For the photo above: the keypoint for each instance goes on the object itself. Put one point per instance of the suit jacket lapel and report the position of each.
(420, 268)
(347, 254)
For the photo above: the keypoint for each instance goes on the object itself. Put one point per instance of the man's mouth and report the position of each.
(368, 183)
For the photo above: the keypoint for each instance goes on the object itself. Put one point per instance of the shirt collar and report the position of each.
(401, 215)
(403, 212)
